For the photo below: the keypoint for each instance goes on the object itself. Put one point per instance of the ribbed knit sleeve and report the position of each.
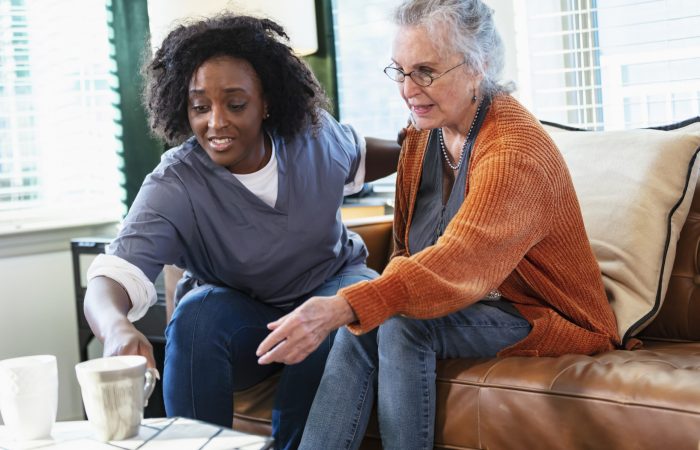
(502, 217)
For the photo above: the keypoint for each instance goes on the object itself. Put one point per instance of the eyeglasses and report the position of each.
(420, 77)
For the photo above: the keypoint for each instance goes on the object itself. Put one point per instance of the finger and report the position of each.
(271, 340)
(278, 322)
(147, 351)
(107, 352)
(291, 350)
(284, 353)
(117, 350)
(273, 355)
(291, 358)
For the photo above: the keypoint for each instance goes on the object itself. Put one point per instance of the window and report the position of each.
(367, 99)
(596, 64)
(59, 129)
(610, 64)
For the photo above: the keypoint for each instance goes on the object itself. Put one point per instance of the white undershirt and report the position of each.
(356, 184)
(263, 183)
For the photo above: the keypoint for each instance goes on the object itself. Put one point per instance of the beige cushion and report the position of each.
(635, 188)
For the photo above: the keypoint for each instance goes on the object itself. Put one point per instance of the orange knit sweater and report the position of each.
(519, 230)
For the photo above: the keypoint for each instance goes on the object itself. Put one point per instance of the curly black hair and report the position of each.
(293, 93)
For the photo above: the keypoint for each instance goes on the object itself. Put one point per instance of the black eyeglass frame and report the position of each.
(424, 78)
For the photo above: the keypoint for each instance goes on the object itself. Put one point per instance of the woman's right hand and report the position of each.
(125, 339)
(106, 307)
(297, 334)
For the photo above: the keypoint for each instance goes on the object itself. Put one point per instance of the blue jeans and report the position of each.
(398, 359)
(210, 353)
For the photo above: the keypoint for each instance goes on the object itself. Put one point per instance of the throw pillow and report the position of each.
(635, 188)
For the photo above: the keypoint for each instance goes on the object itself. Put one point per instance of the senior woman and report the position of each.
(248, 203)
(491, 256)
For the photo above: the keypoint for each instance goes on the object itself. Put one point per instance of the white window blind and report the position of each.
(59, 122)
(609, 64)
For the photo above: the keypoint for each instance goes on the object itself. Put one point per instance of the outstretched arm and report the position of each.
(106, 307)
(382, 158)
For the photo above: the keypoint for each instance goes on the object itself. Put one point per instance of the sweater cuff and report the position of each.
(374, 301)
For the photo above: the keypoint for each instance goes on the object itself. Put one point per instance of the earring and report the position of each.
(474, 98)
(266, 116)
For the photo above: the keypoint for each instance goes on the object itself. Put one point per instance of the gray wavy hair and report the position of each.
(462, 26)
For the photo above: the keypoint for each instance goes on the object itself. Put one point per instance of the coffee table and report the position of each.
(173, 433)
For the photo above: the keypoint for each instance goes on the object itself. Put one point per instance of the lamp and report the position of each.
(297, 17)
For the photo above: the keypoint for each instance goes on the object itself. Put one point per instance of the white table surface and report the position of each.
(154, 434)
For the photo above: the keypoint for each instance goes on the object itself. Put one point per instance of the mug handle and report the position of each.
(149, 385)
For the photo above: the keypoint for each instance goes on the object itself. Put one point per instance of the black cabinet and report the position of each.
(152, 325)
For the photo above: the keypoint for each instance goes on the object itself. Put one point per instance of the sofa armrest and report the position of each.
(171, 275)
(377, 233)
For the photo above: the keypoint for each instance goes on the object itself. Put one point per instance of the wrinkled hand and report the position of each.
(297, 334)
(125, 339)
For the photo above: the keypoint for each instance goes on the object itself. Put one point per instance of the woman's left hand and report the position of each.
(297, 334)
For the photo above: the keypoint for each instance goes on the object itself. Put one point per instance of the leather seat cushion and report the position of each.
(618, 399)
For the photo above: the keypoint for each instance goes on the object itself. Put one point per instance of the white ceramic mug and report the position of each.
(115, 390)
(29, 395)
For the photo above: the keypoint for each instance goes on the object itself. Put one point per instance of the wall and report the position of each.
(295, 17)
(37, 302)
(38, 316)
(505, 23)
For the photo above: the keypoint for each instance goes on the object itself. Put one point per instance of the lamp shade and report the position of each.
(298, 17)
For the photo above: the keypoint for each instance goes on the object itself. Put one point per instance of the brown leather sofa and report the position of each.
(647, 398)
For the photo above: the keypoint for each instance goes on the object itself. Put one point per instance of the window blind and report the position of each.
(609, 64)
(59, 130)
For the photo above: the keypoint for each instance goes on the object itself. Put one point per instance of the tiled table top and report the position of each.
(154, 434)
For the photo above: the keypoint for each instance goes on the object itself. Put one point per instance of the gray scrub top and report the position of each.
(195, 214)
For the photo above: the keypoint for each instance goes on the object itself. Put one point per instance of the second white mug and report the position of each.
(29, 395)
(115, 390)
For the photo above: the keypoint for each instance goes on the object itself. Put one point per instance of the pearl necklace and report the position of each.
(464, 146)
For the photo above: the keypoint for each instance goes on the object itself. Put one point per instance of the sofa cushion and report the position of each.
(620, 399)
(635, 188)
(677, 319)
